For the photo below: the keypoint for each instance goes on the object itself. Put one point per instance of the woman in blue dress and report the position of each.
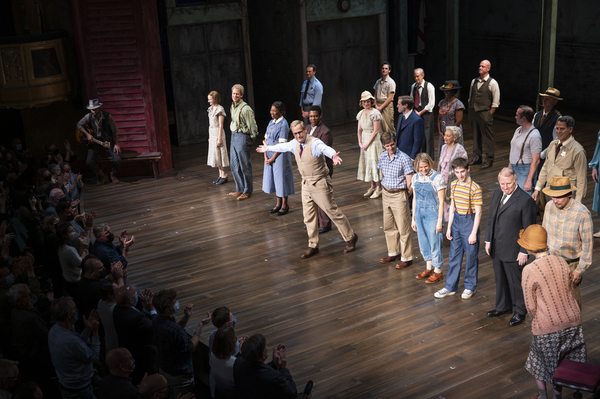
(277, 176)
(595, 165)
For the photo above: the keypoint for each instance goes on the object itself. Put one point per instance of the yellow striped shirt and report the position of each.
(464, 194)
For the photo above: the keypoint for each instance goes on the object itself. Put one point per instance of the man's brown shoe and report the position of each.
(423, 275)
(351, 245)
(474, 161)
(486, 165)
(434, 278)
(235, 194)
(244, 196)
(403, 265)
(389, 259)
(309, 252)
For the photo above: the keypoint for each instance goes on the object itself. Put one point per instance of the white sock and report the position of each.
(437, 270)
(429, 267)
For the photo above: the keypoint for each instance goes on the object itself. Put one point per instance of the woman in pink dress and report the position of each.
(450, 151)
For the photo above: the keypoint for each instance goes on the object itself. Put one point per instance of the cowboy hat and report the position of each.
(93, 104)
(533, 238)
(559, 186)
(551, 92)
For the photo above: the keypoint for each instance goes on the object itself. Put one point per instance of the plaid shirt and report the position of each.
(174, 346)
(570, 233)
(395, 170)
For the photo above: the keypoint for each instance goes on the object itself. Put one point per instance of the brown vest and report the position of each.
(311, 168)
(481, 99)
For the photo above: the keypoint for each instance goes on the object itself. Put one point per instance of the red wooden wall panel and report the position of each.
(120, 64)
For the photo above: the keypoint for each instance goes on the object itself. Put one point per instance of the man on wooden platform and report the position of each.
(317, 191)
(103, 128)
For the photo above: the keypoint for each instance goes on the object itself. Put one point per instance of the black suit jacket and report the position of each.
(134, 329)
(262, 381)
(504, 224)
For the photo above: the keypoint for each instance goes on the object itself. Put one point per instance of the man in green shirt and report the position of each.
(243, 131)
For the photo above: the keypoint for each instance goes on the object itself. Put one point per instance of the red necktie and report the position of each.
(301, 149)
(417, 97)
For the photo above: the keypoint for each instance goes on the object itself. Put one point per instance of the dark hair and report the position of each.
(61, 307)
(106, 291)
(224, 344)
(62, 206)
(62, 165)
(220, 316)
(62, 231)
(459, 163)
(567, 119)
(253, 348)
(87, 263)
(386, 63)
(315, 108)
(280, 106)
(526, 112)
(313, 66)
(408, 101)
(26, 390)
(163, 300)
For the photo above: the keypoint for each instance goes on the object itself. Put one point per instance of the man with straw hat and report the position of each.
(545, 120)
(556, 323)
(569, 226)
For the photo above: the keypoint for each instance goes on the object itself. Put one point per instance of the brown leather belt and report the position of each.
(393, 191)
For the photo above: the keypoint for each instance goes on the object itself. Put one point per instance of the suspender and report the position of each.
(523, 147)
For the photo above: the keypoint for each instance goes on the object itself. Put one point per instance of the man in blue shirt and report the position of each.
(106, 251)
(71, 356)
(312, 92)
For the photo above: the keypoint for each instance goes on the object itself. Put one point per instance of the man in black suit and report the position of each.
(134, 329)
(512, 210)
(256, 379)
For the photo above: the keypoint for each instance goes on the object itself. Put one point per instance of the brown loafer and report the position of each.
(403, 265)
(351, 245)
(434, 278)
(235, 194)
(389, 259)
(244, 196)
(309, 252)
(423, 275)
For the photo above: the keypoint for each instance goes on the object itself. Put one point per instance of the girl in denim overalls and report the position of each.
(428, 212)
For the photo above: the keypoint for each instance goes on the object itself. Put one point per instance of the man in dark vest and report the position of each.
(99, 127)
(545, 121)
(423, 93)
(484, 98)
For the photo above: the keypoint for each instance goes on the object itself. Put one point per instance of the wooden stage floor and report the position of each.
(357, 328)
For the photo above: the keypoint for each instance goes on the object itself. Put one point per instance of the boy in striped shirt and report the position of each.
(463, 231)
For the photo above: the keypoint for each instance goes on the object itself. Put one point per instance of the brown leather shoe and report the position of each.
(309, 252)
(351, 245)
(389, 259)
(434, 278)
(244, 196)
(486, 165)
(423, 275)
(403, 265)
(474, 161)
(235, 194)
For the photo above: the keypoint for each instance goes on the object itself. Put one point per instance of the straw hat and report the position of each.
(551, 92)
(93, 104)
(366, 95)
(533, 238)
(559, 186)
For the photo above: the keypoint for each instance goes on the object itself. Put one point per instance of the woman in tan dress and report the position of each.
(217, 148)
(369, 122)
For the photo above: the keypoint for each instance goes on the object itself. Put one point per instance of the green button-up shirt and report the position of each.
(242, 119)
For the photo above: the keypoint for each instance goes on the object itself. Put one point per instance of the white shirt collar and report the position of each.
(279, 119)
(407, 115)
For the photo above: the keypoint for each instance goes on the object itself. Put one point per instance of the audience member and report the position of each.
(56, 195)
(174, 345)
(70, 257)
(484, 99)
(569, 226)
(510, 211)
(106, 251)
(94, 279)
(134, 328)
(222, 358)
(220, 316)
(106, 306)
(410, 131)
(9, 374)
(525, 149)
(72, 358)
(256, 379)
(155, 386)
(556, 323)
(29, 390)
(117, 384)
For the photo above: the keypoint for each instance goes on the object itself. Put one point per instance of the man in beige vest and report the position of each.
(385, 88)
(317, 190)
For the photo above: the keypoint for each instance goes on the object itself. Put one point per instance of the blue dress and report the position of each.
(278, 178)
(595, 164)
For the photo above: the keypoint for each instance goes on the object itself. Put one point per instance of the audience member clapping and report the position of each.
(104, 248)
(117, 384)
(156, 387)
(93, 279)
(222, 358)
(9, 373)
(106, 306)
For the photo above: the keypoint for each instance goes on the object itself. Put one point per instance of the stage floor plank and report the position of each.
(357, 328)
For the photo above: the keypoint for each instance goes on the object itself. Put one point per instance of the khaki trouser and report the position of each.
(320, 194)
(387, 121)
(396, 224)
(576, 291)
